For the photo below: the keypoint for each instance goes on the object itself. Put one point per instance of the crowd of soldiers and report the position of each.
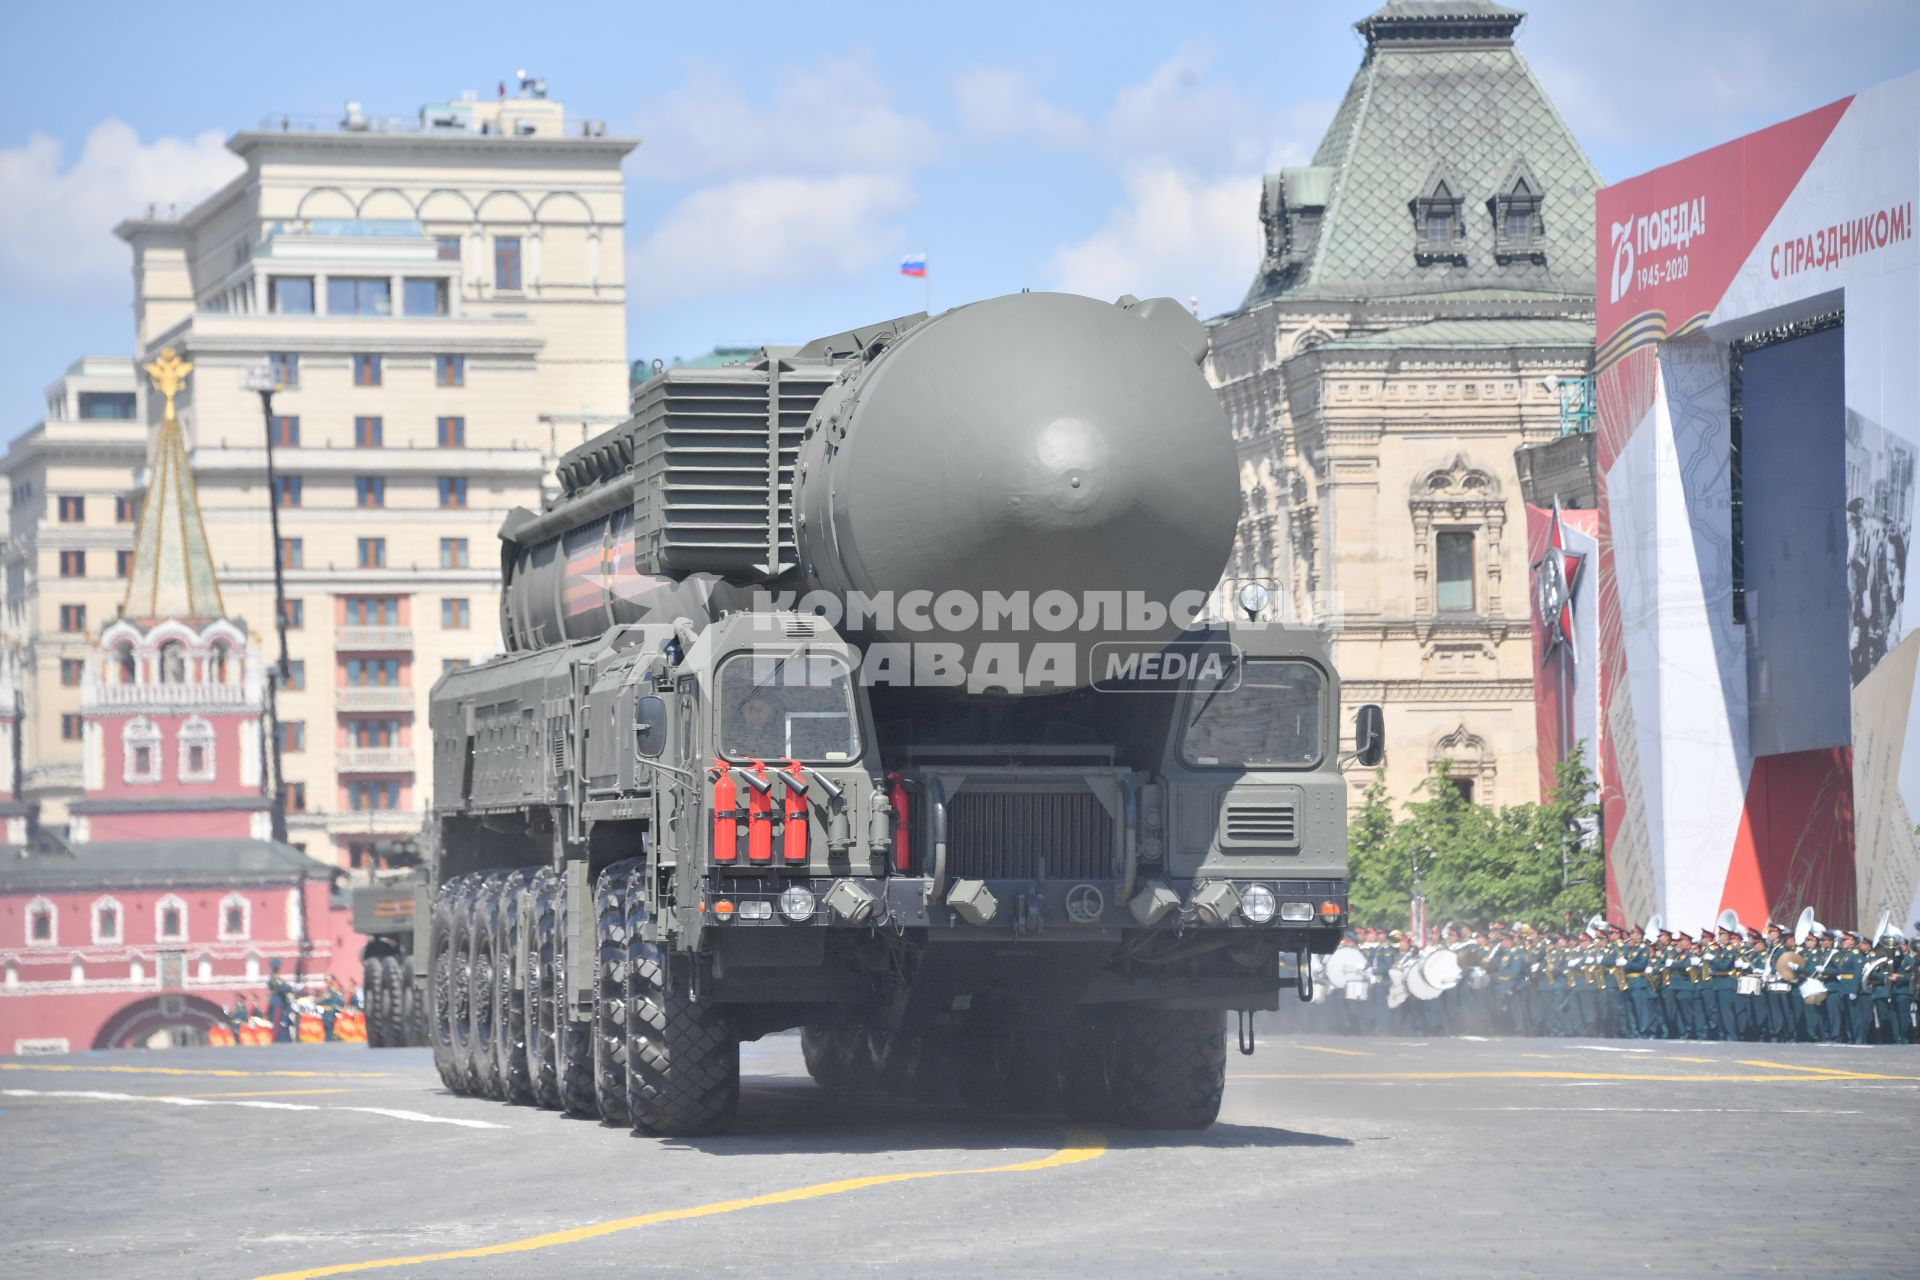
(1723, 983)
(286, 1002)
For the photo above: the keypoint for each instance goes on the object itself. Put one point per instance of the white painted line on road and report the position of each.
(1611, 1048)
(1686, 1111)
(95, 1095)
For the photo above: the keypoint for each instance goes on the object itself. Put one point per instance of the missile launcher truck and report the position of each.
(861, 688)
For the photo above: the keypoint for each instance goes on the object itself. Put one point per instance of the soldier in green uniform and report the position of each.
(1722, 958)
(1817, 1020)
(279, 1002)
(1906, 968)
(1776, 993)
(1843, 993)
(1634, 961)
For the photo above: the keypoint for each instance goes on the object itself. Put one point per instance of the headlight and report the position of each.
(1297, 912)
(796, 903)
(751, 910)
(1257, 903)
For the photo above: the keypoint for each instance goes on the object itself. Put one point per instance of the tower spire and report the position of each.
(172, 575)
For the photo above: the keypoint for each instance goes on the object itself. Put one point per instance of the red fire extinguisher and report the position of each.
(726, 813)
(759, 813)
(897, 796)
(793, 828)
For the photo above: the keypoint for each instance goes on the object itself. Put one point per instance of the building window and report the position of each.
(453, 553)
(71, 671)
(452, 664)
(43, 929)
(106, 922)
(373, 673)
(447, 248)
(1464, 786)
(425, 297)
(236, 918)
(450, 371)
(285, 367)
(73, 618)
(293, 553)
(453, 491)
(1439, 236)
(373, 733)
(1453, 571)
(370, 491)
(290, 295)
(1518, 231)
(359, 296)
(376, 795)
(296, 797)
(289, 490)
(196, 751)
(286, 431)
(506, 263)
(170, 919)
(124, 511)
(294, 615)
(454, 615)
(122, 564)
(373, 553)
(373, 611)
(173, 663)
(369, 433)
(73, 510)
(115, 406)
(296, 674)
(366, 371)
(293, 736)
(140, 741)
(452, 433)
(73, 564)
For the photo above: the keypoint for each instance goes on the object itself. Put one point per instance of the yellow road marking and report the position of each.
(1321, 1048)
(1712, 1061)
(1835, 1072)
(1084, 1145)
(199, 1071)
(1568, 1075)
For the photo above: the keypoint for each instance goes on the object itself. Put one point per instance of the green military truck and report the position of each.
(864, 689)
(383, 913)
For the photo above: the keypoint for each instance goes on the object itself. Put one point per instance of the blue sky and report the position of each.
(793, 152)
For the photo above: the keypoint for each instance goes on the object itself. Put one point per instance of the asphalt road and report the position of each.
(1333, 1157)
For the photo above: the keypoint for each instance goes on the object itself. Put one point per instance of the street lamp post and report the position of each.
(264, 382)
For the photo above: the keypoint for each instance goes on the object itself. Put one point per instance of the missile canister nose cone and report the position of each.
(1028, 444)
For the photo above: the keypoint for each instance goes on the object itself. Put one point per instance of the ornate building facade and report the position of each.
(1426, 288)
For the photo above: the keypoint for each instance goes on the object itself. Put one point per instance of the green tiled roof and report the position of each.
(1441, 93)
(1543, 331)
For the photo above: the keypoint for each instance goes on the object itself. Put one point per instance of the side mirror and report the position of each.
(1369, 736)
(650, 725)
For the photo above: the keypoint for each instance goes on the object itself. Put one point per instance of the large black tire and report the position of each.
(542, 1059)
(837, 1057)
(1006, 1062)
(683, 1057)
(413, 1009)
(447, 986)
(510, 1005)
(483, 1065)
(573, 1047)
(1165, 1068)
(373, 991)
(610, 994)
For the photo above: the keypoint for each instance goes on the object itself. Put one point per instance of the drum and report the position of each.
(1357, 989)
(1396, 987)
(1479, 979)
(1441, 969)
(1748, 984)
(1813, 991)
(1347, 966)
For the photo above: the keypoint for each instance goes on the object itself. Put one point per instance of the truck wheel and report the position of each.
(373, 980)
(483, 1068)
(447, 986)
(683, 1057)
(1005, 1062)
(610, 994)
(412, 1009)
(1166, 1068)
(542, 1066)
(510, 1007)
(573, 1039)
(1086, 1088)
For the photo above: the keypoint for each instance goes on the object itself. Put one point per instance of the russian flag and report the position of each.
(914, 264)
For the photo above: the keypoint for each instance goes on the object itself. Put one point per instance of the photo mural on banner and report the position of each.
(1758, 387)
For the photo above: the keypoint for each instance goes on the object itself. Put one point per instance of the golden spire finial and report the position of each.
(169, 373)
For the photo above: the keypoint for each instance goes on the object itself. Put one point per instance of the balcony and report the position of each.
(373, 760)
(170, 695)
(350, 822)
(355, 639)
(377, 698)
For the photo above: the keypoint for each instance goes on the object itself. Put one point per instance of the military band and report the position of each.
(1723, 982)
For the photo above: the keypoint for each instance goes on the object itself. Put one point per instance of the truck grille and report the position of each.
(1260, 824)
(1005, 835)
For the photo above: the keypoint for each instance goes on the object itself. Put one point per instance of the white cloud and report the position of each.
(1174, 234)
(759, 233)
(1001, 103)
(1179, 116)
(56, 225)
(836, 118)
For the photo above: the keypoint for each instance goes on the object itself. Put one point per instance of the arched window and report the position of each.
(236, 918)
(217, 665)
(107, 921)
(170, 919)
(126, 666)
(196, 751)
(140, 747)
(43, 923)
(173, 663)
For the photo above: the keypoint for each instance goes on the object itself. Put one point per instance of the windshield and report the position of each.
(786, 706)
(1258, 713)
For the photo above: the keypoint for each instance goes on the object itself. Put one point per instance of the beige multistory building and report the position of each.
(1426, 292)
(440, 306)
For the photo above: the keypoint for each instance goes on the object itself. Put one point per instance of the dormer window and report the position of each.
(1519, 232)
(1439, 233)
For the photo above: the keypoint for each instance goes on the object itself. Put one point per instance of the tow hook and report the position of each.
(1246, 1032)
(1303, 976)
